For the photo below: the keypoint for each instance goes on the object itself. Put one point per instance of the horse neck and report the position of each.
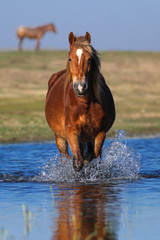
(45, 28)
(95, 87)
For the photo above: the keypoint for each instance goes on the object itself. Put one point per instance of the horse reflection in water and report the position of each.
(33, 33)
(84, 214)
(79, 105)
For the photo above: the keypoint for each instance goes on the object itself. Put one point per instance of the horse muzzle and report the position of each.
(80, 88)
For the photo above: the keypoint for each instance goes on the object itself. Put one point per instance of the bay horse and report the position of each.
(33, 33)
(79, 105)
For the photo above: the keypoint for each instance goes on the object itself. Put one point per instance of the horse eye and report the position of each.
(89, 60)
(69, 59)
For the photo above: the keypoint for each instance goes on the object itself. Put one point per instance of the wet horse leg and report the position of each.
(89, 156)
(76, 151)
(99, 140)
(62, 146)
(87, 151)
(38, 43)
(20, 44)
(83, 149)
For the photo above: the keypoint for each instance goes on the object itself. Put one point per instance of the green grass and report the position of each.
(133, 78)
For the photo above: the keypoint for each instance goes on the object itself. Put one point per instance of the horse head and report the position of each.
(52, 28)
(79, 62)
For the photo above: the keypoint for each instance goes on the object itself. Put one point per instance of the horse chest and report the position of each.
(90, 122)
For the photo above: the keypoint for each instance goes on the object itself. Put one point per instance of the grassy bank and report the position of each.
(133, 78)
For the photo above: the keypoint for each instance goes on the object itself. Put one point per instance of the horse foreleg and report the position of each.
(89, 156)
(62, 146)
(37, 46)
(20, 44)
(99, 140)
(75, 149)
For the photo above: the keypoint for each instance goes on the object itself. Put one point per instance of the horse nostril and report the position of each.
(84, 86)
(75, 86)
(80, 88)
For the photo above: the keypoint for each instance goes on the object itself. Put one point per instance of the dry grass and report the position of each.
(133, 78)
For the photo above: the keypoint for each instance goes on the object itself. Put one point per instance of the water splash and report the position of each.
(118, 161)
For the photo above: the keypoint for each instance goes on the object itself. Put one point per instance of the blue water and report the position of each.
(41, 197)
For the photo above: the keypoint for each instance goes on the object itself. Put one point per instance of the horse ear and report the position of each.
(71, 38)
(88, 37)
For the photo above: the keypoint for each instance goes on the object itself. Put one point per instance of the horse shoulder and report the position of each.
(54, 105)
(55, 76)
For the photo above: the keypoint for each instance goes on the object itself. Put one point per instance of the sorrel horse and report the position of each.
(33, 33)
(79, 105)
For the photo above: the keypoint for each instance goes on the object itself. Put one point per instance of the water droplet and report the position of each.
(118, 161)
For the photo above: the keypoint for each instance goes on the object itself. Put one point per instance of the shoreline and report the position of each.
(136, 136)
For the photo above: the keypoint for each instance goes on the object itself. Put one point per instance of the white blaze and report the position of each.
(79, 54)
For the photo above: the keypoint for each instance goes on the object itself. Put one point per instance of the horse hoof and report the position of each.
(89, 157)
(86, 162)
(78, 166)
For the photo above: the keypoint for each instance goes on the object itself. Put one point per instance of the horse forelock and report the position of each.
(82, 43)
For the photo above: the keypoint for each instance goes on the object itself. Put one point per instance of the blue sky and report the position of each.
(113, 24)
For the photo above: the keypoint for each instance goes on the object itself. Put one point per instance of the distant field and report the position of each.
(133, 77)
